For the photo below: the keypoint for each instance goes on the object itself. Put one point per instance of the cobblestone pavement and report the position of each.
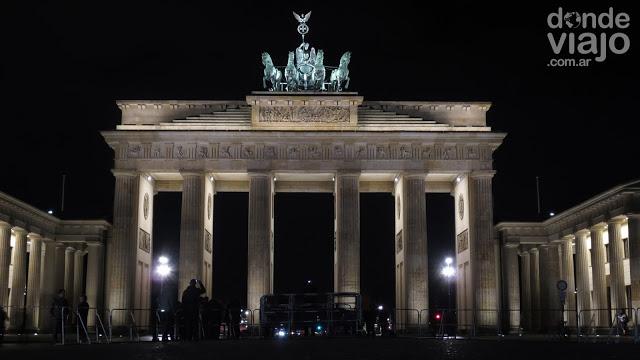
(338, 348)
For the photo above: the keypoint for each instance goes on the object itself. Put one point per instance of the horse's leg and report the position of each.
(346, 86)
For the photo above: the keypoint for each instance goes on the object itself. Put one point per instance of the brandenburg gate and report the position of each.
(305, 134)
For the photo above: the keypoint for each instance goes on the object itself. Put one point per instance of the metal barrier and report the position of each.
(592, 323)
(406, 321)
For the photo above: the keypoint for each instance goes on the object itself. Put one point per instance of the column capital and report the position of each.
(549, 245)
(124, 173)
(95, 244)
(19, 231)
(511, 245)
(192, 173)
(414, 175)
(348, 173)
(482, 174)
(254, 173)
(533, 250)
(598, 227)
(4, 225)
(33, 236)
(582, 233)
(616, 221)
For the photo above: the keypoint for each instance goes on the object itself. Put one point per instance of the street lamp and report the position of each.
(163, 270)
(448, 272)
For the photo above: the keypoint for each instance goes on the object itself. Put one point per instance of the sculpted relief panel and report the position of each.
(305, 114)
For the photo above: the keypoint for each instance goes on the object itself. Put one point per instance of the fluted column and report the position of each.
(616, 265)
(69, 265)
(191, 229)
(347, 249)
(18, 283)
(512, 284)
(536, 309)
(550, 274)
(484, 249)
(33, 280)
(634, 258)
(5, 261)
(525, 280)
(60, 265)
(95, 265)
(122, 249)
(259, 280)
(568, 276)
(599, 276)
(414, 235)
(47, 282)
(78, 277)
(582, 276)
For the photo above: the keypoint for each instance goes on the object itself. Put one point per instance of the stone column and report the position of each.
(5, 261)
(122, 249)
(599, 276)
(18, 283)
(634, 258)
(95, 276)
(33, 281)
(347, 247)
(616, 265)
(568, 276)
(536, 308)
(78, 277)
(582, 272)
(484, 247)
(69, 264)
(550, 274)
(47, 282)
(414, 235)
(525, 280)
(259, 235)
(60, 265)
(512, 285)
(191, 229)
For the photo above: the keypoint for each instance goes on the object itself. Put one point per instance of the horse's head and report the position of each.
(291, 58)
(345, 59)
(320, 58)
(266, 59)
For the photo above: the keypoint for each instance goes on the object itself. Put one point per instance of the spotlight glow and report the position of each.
(163, 260)
(163, 270)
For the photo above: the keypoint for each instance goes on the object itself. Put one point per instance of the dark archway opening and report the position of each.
(440, 245)
(303, 244)
(377, 252)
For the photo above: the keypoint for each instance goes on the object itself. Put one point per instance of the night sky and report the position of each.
(63, 66)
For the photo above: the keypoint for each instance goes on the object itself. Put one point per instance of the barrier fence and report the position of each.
(90, 326)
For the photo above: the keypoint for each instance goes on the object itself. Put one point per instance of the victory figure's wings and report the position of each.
(302, 19)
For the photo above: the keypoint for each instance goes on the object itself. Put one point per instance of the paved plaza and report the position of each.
(337, 348)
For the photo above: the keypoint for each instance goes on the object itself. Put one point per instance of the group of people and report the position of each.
(195, 316)
(61, 312)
